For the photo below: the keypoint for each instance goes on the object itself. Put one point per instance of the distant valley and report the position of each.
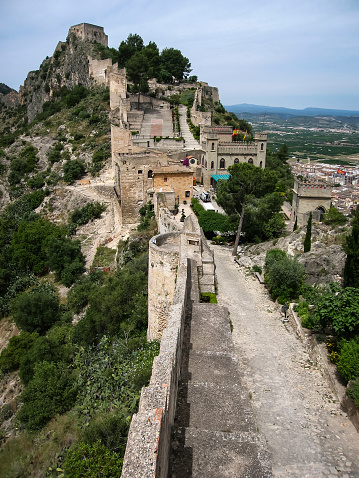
(320, 134)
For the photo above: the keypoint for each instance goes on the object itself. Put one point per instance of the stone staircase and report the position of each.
(135, 119)
(190, 142)
(214, 433)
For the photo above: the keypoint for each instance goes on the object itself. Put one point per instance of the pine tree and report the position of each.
(351, 247)
(308, 235)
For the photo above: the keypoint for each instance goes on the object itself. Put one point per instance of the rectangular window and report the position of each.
(188, 194)
(165, 180)
(139, 171)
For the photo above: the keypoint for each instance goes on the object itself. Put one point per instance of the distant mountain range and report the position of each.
(287, 112)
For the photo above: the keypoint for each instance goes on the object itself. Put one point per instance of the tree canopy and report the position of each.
(245, 186)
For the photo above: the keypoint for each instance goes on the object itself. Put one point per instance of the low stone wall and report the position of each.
(149, 438)
(318, 354)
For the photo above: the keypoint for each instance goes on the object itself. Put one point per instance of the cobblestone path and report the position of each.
(307, 433)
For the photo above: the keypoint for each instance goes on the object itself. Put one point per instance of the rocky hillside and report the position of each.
(68, 67)
(323, 264)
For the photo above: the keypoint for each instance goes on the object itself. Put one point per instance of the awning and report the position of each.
(217, 177)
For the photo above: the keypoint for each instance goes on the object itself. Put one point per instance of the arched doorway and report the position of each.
(320, 211)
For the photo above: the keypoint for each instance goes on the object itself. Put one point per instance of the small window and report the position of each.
(205, 164)
(165, 180)
(261, 164)
(212, 164)
(151, 195)
(262, 147)
(139, 171)
(222, 164)
(187, 194)
(236, 161)
(149, 174)
(212, 146)
(250, 161)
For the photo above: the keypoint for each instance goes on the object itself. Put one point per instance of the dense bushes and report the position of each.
(23, 165)
(348, 361)
(339, 309)
(284, 275)
(36, 311)
(52, 390)
(73, 169)
(66, 259)
(212, 221)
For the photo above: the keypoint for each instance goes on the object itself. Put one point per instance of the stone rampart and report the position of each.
(149, 438)
(166, 221)
(97, 69)
(163, 265)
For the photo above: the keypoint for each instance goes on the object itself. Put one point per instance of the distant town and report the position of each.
(345, 181)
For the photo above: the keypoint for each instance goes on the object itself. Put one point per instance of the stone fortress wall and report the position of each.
(174, 259)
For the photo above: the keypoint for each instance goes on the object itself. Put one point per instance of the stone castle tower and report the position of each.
(88, 32)
(310, 197)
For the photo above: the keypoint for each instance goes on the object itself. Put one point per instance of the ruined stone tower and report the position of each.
(88, 32)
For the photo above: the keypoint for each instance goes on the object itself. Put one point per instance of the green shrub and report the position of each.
(348, 362)
(334, 217)
(284, 276)
(92, 461)
(79, 294)
(66, 259)
(110, 428)
(36, 311)
(51, 391)
(256, 268)
(73, 169)
(10, 357)
(208, 297)
(353, 391)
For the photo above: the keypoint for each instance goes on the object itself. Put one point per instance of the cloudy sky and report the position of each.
(277, 53)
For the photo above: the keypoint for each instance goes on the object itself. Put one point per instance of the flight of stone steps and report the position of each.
(215, 433)
(190, 142)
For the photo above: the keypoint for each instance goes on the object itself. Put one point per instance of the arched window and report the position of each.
(202, 160)
(212, 146)
(222, 164)
(236, 161)
(261, 164)
(262, 146)
(212, 164)
(250, 161)
(205, 164)
(149, 174)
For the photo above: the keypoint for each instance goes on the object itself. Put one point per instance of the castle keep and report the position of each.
(88, 32)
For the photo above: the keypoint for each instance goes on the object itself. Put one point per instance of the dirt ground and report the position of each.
(307, 432)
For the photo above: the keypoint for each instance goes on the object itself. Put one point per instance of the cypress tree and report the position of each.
(351, 247)
(308, 235)
(295, 227)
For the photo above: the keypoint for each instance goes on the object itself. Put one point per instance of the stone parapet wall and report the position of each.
(162, 271)
(149, 438)
(166, 221)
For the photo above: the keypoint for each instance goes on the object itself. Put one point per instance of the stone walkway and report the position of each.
(215, 434)
(307, 433)
(190, 142)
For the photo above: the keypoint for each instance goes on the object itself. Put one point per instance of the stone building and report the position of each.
(220, 152)
(88, 32)
(310, 197)
(146, 176)
(176, 177)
